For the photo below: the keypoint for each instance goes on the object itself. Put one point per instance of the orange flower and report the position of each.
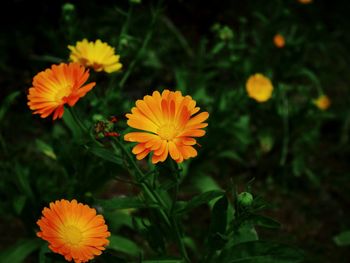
(322, 102)
(170, 126)
(55, 87)
(259, 87)
(279, 41)
(305, 1)
(73, 230)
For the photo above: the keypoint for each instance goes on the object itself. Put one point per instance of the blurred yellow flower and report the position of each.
(305, 1)
(322, 102)
(73, 230)
(279, 41)
(97, 55)
(168, 124)
(259, 87)
(59, 85)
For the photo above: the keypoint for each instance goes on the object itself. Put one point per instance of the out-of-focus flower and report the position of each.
(73, 230)
(279, 41)
(322, 102)
(98, 55)
(259, 87)
(168, 126)
(53, 88)
(305, 1)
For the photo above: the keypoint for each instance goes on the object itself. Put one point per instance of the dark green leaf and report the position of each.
(343, 238)
(6, 103)
(106, 154)
(200, 199)
(124, 245)
(124, 203)
(218, 224)
(264, 221)
(260, 252)
(19, 252)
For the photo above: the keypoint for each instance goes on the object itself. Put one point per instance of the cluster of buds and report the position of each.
(105, 128)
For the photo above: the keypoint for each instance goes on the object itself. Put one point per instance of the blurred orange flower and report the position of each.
(322, 102)
(169, 126)
(53, 88)
(305, 1)
(98, 55)
(73, 230)
(279, 41)
(259, 87)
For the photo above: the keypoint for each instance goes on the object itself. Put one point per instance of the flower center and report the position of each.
(62, 93)
(72, 235)
(167, 132)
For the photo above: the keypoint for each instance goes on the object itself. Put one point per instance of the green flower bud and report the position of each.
(245, 199)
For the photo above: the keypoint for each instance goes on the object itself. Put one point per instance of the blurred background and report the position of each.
(290, 151)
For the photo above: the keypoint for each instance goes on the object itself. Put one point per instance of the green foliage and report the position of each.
(189, 212)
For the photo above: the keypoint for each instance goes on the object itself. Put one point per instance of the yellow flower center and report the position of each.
(63, 92)
(72, 235)
(167, 132)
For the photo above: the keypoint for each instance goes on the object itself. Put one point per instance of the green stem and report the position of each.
(77, 120)
(147, 189)
(142, 49)
(170, 220)
(179, 239)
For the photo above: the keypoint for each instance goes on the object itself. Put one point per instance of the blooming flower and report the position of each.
(259, 87)
(279, 41)
(322, 102)
(53, 88)
(169, 126)
(73, 230)
(98, 55)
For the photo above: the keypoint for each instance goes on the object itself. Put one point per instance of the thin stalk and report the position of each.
(147, 189)
(141, 50)
(179, 239)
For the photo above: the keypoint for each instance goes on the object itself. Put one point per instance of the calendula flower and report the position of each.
(322, 102)
(305, 1)
(73, 230)
(53, 88)
(168, 126)
(259, 87)
(98, 55)
(279, 41)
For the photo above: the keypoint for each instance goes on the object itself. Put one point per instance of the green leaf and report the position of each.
(45, 149)
(122, 244)
(200, 199)
(218, 224)
(72, 124)
(18, 203)
(264, 221)
(343, 238)
(19, 252)
(124, 203)
(230, 154)
(7, 102)
(106, 154)
(164, 261)
(261, 252)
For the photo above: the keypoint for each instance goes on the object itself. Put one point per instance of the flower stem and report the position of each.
(151, 194)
